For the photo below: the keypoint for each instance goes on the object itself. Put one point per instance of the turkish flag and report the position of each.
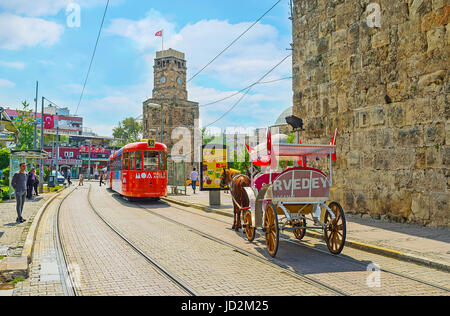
(160, 33)
(49, 122)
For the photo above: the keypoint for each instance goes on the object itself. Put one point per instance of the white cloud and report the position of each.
(15, 65)
(7, 83)
(18, 32)
(248, 59)
(47, 7)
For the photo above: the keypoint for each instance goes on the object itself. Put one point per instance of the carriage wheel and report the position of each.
(272, 232)
(299, 233)
(335, 231)
(249, 229)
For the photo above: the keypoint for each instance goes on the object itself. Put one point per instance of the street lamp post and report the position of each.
(41, 173)
(89, 161)
(35, 116)
(162, 122)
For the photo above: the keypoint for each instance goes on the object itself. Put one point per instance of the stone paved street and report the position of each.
(201, 250)
(101, 262)
(425, 242)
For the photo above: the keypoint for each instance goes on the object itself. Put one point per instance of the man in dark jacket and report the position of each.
(19, 183)
(30, 183)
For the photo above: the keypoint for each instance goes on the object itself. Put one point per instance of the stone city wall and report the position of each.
(378, 71)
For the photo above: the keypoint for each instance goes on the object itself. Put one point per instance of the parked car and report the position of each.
(60, 177)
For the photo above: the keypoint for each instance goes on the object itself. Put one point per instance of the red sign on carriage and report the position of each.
(301, 184)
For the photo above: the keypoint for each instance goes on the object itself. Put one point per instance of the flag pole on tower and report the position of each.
(161, 34)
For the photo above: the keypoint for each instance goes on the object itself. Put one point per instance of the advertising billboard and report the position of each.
(214, 160)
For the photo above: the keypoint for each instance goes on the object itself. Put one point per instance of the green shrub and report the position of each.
(6, 173)
(5, 194)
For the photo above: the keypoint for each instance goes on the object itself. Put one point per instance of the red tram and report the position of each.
(139, 170)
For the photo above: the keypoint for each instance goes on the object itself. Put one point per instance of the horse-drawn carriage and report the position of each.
(275, 201)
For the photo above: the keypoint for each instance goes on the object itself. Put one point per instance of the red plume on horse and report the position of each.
(236, 182)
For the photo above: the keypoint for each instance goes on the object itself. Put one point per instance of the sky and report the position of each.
(40, 40)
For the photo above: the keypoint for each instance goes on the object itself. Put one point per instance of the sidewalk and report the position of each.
(13, 235)
(422, 245)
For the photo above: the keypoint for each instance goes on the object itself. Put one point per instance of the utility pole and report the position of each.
(162, 122)
(89, 161)
(41, 173)
(57, 146)
(35, 116)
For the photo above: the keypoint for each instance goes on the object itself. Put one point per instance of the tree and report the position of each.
(25, 124)
(4, 158)
(128, 131)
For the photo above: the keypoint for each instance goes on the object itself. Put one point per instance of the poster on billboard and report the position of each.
(214, 160)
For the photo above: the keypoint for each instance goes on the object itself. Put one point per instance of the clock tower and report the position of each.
(170, 75)
(169, 102)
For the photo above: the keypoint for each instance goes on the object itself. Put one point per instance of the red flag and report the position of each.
(49, 122)
(160, 33)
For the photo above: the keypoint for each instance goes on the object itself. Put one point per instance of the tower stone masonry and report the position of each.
(386, 89)
(171, 97)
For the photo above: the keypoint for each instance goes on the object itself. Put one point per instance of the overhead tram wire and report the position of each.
(93, 55)
(248, 90)
(241, 91)
(232, 43)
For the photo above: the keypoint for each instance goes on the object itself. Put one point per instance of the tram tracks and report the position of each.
(68, 281)
(239, 250)
(288, 240)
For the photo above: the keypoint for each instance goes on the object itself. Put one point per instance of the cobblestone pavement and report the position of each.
(189, 255)
(424, 242)
(44, 274)
(100, 261)
(207, 266)
(412, 270)
(13, 235)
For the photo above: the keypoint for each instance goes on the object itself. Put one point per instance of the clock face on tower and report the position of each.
(179, 80)
(163, 80)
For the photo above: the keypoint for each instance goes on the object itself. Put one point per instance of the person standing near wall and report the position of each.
(19, 183)
(31, 178)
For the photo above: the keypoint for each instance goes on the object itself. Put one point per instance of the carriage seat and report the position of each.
(265, 178)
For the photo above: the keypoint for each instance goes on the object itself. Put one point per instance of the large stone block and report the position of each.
(435, 19)
(418, 111)
(440, 210)
(380, 39)
(435, 135)
(436, 39)
(396, 114)
(410, 137)
(420, 208)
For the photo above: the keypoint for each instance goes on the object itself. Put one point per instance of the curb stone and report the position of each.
(20, 268)
(402, 256)
(29, 242)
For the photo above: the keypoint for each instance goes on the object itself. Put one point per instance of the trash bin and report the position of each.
(51, 181)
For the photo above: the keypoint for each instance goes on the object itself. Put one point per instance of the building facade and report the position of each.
(68, 145)
(169, 107)
(379, 72)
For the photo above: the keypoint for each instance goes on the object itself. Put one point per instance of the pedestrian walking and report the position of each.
(19, 183)
(194, 178)
(31, 178)
(81, 180)
(69, 177)
(101, 179)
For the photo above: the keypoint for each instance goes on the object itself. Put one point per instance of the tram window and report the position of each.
(132, 156)
(163, 161)
(125, 161)
(151, 161)
(139, 160)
